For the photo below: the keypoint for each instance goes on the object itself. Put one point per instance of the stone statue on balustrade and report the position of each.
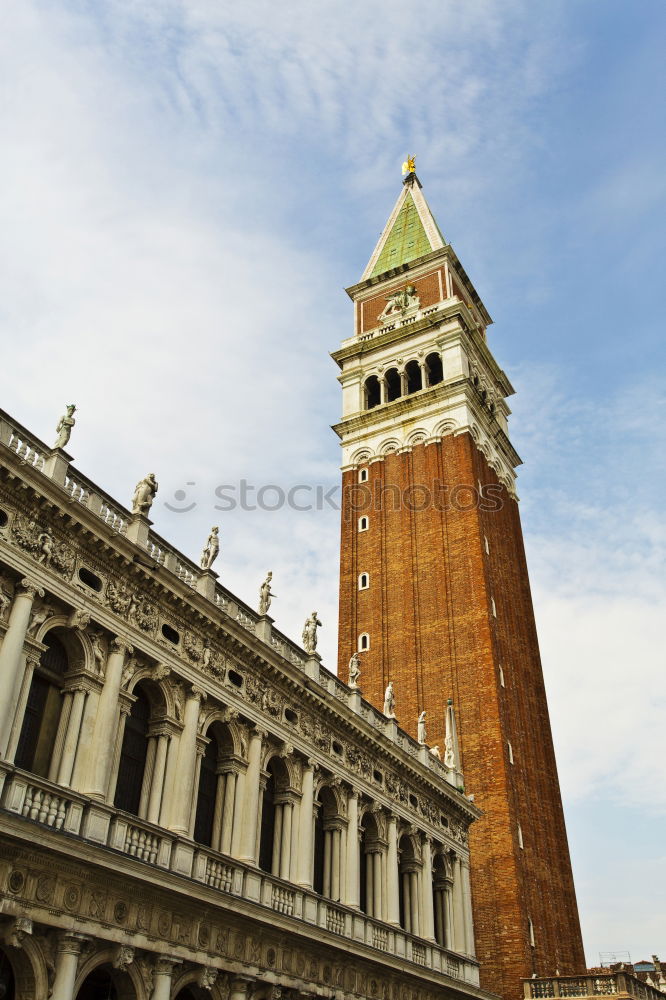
(354, 670)
(421, 727)
(64, 428)
(389, 701)
(144, 494)
(211, 549)
(310, 633)
(265, 595)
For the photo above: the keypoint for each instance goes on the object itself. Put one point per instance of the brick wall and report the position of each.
(428, 612)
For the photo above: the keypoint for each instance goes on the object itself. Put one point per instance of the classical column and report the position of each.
(125, 709)
(170, 774)
(336, 835)
(277, 839)
(427, 909)
(439, 917)
(377, 888)
(424, 374)
(383, 395)
(218, 808)
(248, 834)
(227, 827)
(352, 895)
(458, 909)
(162, 976)
(328, 846)
(107, 718)
(369, 887)
(87, 739)
(449, 930)
(66, 964)
(11, 656)
(239, 805)
(182, 791)
(414, 901)
(71, 736)
(467, 907)
(157, 779)
(28, 671)
(392, 874)
(61, 732)
(238, 987)
(285, 850)
(305, 839)
(403, 383)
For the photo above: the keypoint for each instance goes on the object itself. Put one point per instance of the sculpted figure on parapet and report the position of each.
(265, 595)
(310, 633)
(64, 428)
(354, 670)
(389, 701)
(211, 549)
(144, 494)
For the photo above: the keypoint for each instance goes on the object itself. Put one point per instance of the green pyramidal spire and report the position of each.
(410, 232)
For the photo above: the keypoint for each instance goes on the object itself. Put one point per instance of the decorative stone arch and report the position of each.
(28, 963)
(446, 427)
(389, 446)
(417, 436)
(160, 693)
(413, 837)
(337, 800)
(194, 976)
(77, 644)
(127, 981)
(361, 457)
(377, 816)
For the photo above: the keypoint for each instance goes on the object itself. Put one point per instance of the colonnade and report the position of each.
(369, 858)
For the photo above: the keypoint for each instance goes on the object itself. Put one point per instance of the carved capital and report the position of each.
(165, 964)
(197, 693)
(72, 944)
(120, 645)
(31, 590)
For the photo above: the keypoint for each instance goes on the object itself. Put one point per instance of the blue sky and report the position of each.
(188, 187)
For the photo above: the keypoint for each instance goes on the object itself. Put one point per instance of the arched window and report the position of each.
(207, 793)
(372, 392)
(434, 371)
(408, 885)
(363, 581)
(42, 712)
(363, 475)
(277, 815)
(328, 846)
(133, 755)
(363, 523)
(414, 377)
(363, 642)
(370, 867)
(393, 389)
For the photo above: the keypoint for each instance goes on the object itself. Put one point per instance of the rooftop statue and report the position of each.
(211, 549)
(421, 731)
(389, 701)
(310, 633)
(144, 494)
(265, 595)
(64, 428)
(409, 166)
(354, 670)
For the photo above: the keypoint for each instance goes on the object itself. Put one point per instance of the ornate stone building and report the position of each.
(434, 590)
(192, 806)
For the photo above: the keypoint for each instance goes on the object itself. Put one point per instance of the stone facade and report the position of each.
(190, 804)
(431, 529)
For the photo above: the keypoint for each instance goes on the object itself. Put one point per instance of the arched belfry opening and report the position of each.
(43, 709)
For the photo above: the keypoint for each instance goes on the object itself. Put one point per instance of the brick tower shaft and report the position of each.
(434, 589)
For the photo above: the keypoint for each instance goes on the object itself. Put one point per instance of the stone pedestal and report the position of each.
(138, 528)
(312, 666)
(206, 584)
(391, 729)
(355, 700)
(264, 628)
(57, 464)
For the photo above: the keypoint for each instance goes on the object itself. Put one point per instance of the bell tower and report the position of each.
(434, 590)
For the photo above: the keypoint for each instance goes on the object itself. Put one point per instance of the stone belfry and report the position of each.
(434, 590)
